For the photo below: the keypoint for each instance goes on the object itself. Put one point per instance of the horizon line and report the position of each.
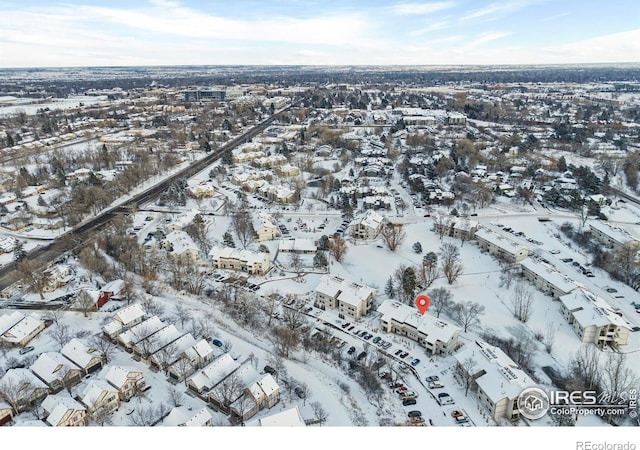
(568, 64)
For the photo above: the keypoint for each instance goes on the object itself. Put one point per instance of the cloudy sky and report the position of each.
(325, 32)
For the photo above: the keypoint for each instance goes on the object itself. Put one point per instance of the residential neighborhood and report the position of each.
(249, 253)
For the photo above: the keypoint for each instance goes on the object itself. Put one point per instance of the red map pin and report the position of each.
(422, 303)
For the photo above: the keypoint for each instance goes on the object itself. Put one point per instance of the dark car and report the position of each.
(414, 413)
(409, 402)
(217, 343)
(433, 378)
(362, 355)
(397, 353)
(300, 392)
(351, 350)
(270, 370)
(404, 354)
(26, 350)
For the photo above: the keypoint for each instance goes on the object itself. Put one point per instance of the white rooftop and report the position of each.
(433, 328)
(344, 291)
(502, 377)
(288, 418)
(590, 310)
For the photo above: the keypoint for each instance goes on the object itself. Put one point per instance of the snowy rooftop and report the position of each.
(344, 291)
(298, 245)
(548, 273)
(183, 416)
(129, 314)
(117, 375)
(18, 376)
(435, 329)
(288, 418)
(180, 242)
(214, 372)
(502, 377)
(14, 330)
(370, 219)
(618, 234)
(241, 255)
(499, 241)
(52, 366)
(200, 349)
(79, 353)
(591, 310)
(91, 392)
(142, 330)
(58, 405)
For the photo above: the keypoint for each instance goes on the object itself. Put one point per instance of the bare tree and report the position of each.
(549, 337)
(319, 412)
(442, 225)
(522, 302)
(337, 248)
(468, 314)
(37, 279)
(176, 398)
(61, 334)
(106, 347)
(627, 261)
(467, 373)
(182, 314)
(441, 300)
(450, 261)
(293, 317)
(429, 270)
(507, 272)
(296, 263)
(15, 392)
(585, 368)
(285, 340)
(85, 302)
(243, 226)
(393, 235)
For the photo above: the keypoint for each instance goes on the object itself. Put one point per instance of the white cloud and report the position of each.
(420, 8)
(496, 10)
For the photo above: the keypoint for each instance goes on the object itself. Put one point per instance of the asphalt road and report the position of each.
(44, 255)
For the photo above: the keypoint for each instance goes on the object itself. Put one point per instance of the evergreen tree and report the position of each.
(409, 283)
(417, 247)
(227, 239)
(320, 260)
(390, 289)
(323, 242)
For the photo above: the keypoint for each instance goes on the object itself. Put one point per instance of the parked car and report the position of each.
(299, 392)
(376, 339)
(351, 350)
(401, 389)
(362, 355)
(407, 395)
(217, 342)
(435, 385)
(415, 362)
(433, 378)
(398, 352)
(26, 349)
(404, 354)
(409, 402)
(445, 399)
(270, 370)
(414, 413)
